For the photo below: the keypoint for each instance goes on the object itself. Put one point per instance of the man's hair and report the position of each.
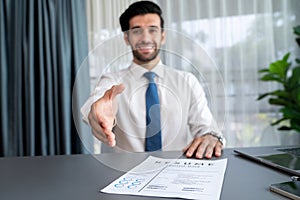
(139, 8)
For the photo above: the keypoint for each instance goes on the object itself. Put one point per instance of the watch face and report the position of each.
(221, 139)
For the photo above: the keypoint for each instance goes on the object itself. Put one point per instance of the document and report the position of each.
(180, 178)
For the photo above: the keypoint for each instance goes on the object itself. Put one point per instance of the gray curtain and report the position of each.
(43, 44)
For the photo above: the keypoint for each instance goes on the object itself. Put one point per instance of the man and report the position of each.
(119, 111)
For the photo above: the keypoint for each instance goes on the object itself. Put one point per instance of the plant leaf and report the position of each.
(286, 57)
(294, 80)
(281, 93)
(295, 125)
(263, 96)
(271, 77)
(278, 93)
(295, 96)
(284, 128)
(263, 70)
(297, 30)
(279, 102)
(279, 121)
(290, 113)
(298, 41)
(280, 67)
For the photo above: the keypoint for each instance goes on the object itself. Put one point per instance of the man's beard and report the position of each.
(142, 58)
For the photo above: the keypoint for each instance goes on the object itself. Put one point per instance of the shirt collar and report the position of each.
(138, 71)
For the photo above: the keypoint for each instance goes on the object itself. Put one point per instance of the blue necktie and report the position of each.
(153, 130)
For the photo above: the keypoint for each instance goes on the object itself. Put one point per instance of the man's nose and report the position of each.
(146, 36)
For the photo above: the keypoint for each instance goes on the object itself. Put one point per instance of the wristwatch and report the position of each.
(219, 137)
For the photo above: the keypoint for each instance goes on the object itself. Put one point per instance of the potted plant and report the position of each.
(288, 96)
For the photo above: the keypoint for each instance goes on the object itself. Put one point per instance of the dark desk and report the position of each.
(79, 177)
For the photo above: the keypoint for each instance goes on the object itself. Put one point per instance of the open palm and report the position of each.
(102, 115)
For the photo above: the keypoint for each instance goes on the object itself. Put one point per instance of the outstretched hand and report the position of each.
(102, 115)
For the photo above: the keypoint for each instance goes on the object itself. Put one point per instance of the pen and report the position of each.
(295, 178)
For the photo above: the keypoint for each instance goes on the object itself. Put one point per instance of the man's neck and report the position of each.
(148, 65)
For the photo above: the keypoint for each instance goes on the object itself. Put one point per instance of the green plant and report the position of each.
(288, 97)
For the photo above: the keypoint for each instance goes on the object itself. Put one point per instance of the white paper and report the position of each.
(181, 178)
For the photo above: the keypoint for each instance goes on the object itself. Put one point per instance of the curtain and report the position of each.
(240, 37)
(43, 44)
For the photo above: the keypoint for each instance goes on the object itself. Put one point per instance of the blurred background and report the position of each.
(52, 55)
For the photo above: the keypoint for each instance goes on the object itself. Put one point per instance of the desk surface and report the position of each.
(79, 177)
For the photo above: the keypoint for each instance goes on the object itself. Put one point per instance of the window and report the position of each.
(240, 37)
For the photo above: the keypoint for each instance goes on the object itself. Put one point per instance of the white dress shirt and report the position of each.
(184, 110)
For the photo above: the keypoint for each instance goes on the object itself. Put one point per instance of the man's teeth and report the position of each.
(146, 47)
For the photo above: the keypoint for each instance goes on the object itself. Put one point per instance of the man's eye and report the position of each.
(153, 30)
(137, 31)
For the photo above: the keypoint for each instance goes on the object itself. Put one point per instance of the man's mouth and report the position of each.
(145, 48)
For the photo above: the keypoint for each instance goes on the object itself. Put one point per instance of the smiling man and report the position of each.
(150, 106)
(145, 38)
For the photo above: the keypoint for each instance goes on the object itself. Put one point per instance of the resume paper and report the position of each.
(180, 178)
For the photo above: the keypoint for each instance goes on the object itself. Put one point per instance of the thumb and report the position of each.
(114, 91)
(117, 89)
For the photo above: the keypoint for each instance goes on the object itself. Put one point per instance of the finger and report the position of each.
(97, 122)
(97, 129)
(94, 123)
(193, 147)
(100, 137)
(105, 137)
(110, 141)
(202, 148)
(95, 115)
(102, 133)
(218, 149)
(95, 110)
(186, 148)
(209, 151)
(110, 137)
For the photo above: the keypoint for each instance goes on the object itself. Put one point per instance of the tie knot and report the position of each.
(150, 76)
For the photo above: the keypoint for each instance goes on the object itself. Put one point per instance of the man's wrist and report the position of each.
(220, 138)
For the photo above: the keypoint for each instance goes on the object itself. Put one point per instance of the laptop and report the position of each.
(286, 159)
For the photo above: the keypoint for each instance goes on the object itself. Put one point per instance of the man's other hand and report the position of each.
(204, 146)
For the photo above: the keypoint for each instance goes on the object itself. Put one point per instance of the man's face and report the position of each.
(145, 37)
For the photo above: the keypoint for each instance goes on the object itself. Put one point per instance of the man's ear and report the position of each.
(126, 39)
(163, 37)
